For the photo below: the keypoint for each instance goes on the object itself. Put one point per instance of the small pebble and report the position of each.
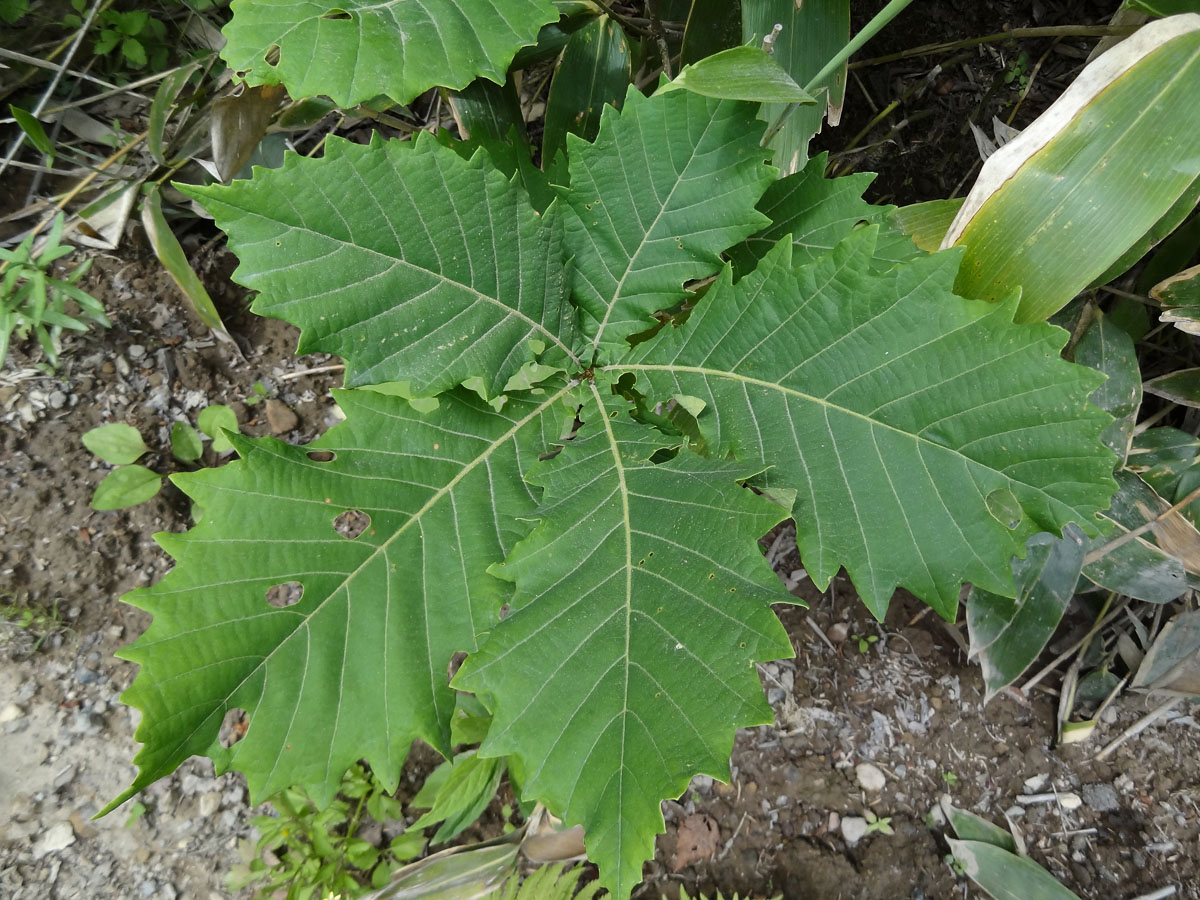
(10, 713)
(870, 778)
(854, 829)
(210, 803)
(57, 399)
(1100, 797)
(57, 837)
(280, 419)
(1036, 783)
(136, 351)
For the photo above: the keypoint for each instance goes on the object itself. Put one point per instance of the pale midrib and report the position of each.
(628, 527)
(416, 517)
(825, 404)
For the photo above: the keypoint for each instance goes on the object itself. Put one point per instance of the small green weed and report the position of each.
(33, 300)
(316, 852)
(878, 824)
(39, 623)
(864, 642)
(122, 445)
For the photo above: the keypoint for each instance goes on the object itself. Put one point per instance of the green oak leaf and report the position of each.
(326, 588)
(406, 260)
(895, 410)
(818, 212)
(918, 439)
(669, 183)
(355, 50)
(629, 662)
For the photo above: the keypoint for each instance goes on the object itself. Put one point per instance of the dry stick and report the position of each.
(1155, 419)
(1101, 552)
(660, 38)
(43, 64)
(1029, 83)
(41, 104)
(1066, 654)
(1138, 727)
(71, 194)
(127, 89)
(1160, 894)
(1042, 31)
(336, 367)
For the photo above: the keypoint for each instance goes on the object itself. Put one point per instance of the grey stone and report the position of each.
(57, 837)
(854, 829)
(870, 778)
(1100, 797)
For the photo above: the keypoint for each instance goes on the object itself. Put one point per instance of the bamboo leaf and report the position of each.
(1054, 208)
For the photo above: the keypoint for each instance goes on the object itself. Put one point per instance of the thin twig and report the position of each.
(127, 89)
(1160, 894)
(43, 64)
(41, 104)
(1139, 726)
(660, 37)
(1101, 621)
(1059, 31)
(315, 371)
(1101, 552)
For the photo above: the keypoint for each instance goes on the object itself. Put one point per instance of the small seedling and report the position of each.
(258, 394)
(882, 825)
(121, 445)
(864, 642)
(136, 811)
(950, 779)
(32, 620)
(126, 485)
(212, 420)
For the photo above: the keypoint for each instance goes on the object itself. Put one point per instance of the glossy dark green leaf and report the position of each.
(1137, 568)
(1181, 387)
(1008, 634)
(33, 130)
(486, 111)
(712, 26)
(1106, 348)
(594, 71)
(1180, 250)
